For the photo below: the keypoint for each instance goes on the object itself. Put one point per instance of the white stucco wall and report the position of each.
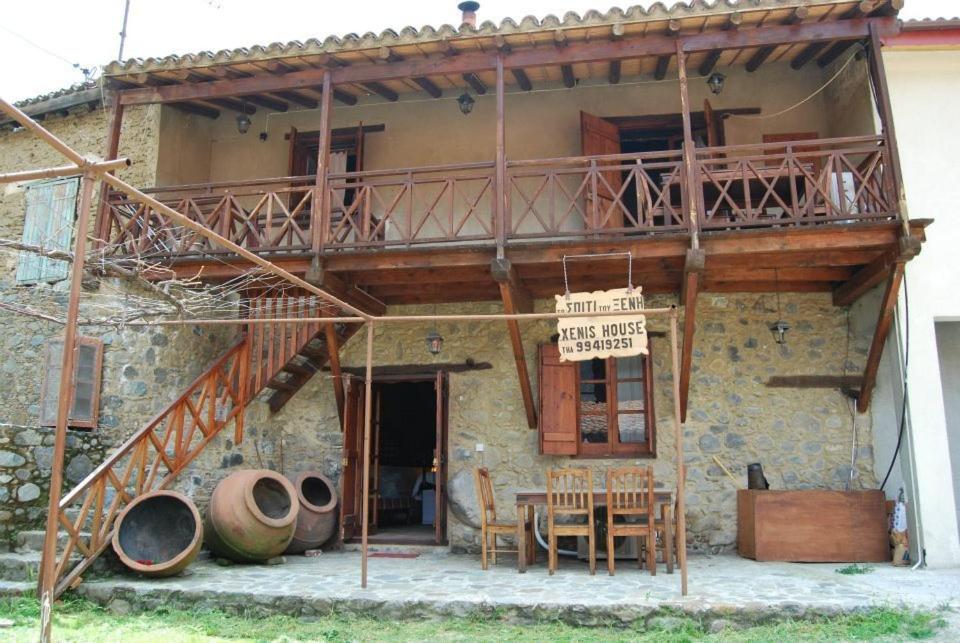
(925, 92)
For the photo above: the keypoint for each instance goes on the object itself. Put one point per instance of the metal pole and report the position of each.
(681, 468)
(123, 29)
(365, 502)
(49, 557)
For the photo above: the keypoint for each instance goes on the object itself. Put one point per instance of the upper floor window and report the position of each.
(48, 224)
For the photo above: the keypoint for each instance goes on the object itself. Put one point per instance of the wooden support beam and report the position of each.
(594, 51)
(382, 90)
(569, 81)
(474, 81)
(277, 67)
(861, 10)
(388, 55)
(198, 109)
(321, 277)
(516, 300)
(333, 354)
(662, 63)
(807, 54)
(834, 52)
(734, 20)
(344, 97)
(522, 79)
(613, 75)
(267, 102)
(428, 86)
(760, 56)
(560, 39)
(299, 98)
(235, 105)
(320, 212)
(842, 382)
(888, 305)
(864, 280)
(692, 273)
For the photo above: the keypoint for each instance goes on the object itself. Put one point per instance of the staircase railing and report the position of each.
(151, 459)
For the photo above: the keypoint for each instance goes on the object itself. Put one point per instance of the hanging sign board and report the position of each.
(587, 337)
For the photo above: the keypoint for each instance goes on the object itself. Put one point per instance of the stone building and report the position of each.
(210, 130)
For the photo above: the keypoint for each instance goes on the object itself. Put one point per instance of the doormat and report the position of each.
(395, 554)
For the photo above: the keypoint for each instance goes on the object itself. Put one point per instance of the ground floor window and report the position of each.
(596, 408)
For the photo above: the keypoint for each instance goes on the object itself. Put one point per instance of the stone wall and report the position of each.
(802, 437)
(143, 369)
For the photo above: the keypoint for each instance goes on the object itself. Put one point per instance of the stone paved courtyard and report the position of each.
(442, 584)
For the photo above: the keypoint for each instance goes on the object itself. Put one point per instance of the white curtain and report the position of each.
(338, 164)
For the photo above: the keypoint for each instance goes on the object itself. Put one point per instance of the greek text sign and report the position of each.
(587, 337)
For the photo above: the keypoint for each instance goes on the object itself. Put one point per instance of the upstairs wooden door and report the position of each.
(351, 480)
(599, 137)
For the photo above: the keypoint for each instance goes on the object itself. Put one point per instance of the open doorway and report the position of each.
(407, 461)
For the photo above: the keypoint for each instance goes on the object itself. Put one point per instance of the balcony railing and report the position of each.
(800, 183)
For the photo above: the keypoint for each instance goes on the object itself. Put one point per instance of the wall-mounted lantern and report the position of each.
(243, 122)
(465, 102)
(434, 342)
(715, 82)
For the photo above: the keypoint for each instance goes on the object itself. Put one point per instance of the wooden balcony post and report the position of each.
(320, 212)
(691, 184)
(101, 227)
(878, 75)
(500, 190)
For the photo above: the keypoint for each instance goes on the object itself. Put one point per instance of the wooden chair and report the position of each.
(570, 493)
(666, 527)
(630, 495)
(490, 527)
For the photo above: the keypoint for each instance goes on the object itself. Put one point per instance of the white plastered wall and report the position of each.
(925, 93)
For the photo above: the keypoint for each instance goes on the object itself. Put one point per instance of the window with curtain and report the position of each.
(596, 408)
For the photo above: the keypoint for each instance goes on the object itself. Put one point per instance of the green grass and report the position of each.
(854, 569)
(79, 620)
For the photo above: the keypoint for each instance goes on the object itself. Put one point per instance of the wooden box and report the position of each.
(812, 526)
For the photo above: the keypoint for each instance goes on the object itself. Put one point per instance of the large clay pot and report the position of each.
(252, 516)
(317, 518)
(158, 534)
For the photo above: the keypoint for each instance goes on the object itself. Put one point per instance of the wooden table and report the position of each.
(528, 499)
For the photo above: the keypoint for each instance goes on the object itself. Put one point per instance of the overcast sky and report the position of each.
(40, 39)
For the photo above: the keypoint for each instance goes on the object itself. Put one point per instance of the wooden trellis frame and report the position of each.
(139, 444)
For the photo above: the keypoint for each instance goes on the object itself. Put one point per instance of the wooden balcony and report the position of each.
(778, 186)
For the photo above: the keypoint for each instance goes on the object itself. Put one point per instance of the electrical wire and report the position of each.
(906, 362)
(86, 71)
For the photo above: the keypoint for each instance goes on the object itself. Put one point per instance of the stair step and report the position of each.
(280, 385)
(25, 566)
(317, 353)
(298, 369)
(32, 540)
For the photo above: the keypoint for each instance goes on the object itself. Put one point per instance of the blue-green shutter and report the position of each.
(49, 222)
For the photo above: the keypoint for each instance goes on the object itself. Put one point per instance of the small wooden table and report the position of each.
(528, 499)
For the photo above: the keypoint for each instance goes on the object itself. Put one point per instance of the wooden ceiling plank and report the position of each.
(234, 105)
(522, 79)
(428, 86)
(662, 63)
(382, 90)
(200, 110)
(613, 74)
(475, 82)
(860, 10)
(266, 102)
(298, 98)
(569, 80)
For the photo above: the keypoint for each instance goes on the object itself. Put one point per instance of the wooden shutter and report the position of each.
(599, 137)
(48, 222)
(85, 405)
(558, 403)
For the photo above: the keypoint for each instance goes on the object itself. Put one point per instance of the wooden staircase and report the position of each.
(291, 352)
(280, 357)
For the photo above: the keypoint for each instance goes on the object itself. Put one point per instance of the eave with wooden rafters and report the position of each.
(845, 250)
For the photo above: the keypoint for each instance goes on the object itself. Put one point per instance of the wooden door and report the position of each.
(714, 135)
(351, 479)
(599, 137)
(440, 460)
